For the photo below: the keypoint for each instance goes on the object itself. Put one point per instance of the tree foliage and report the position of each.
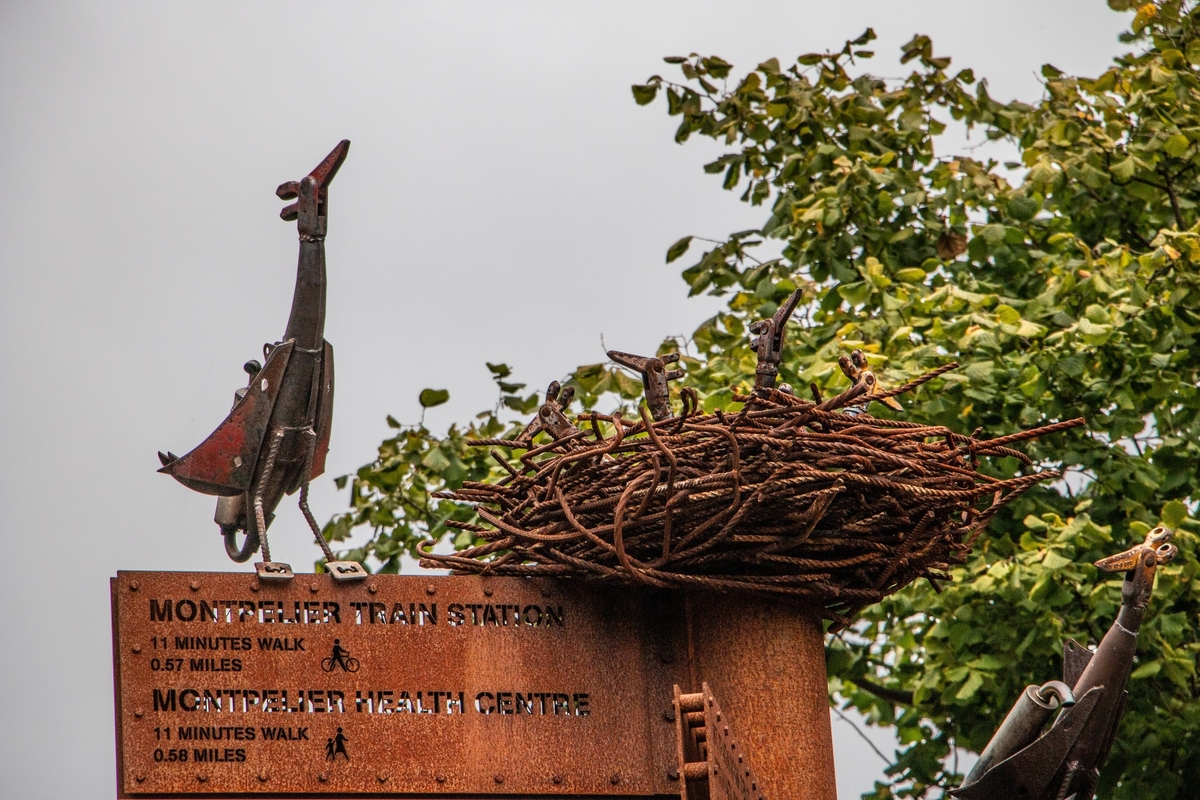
(1067, 284)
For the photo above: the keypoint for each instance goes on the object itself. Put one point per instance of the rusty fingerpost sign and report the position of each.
(403, 684)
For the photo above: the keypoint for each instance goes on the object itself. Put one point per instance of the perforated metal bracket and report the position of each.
(274, 571)
(346, 570)
(711, 764)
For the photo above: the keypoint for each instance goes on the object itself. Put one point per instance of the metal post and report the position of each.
(764, 660)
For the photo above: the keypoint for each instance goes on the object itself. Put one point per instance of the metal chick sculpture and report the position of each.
(1025, 759)
(275, 439)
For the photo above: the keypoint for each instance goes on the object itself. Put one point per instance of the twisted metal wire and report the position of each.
(787, 496)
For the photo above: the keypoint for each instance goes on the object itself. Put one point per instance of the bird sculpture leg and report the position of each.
(268, 569)
(340, 570)
(310, 437)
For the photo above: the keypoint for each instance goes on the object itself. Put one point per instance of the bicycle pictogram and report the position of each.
(341, 658)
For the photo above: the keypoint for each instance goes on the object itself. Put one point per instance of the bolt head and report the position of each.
(498, 778)
(137, 648)
(372, 588)
(431, 589)
(137, 712)
(195, 586)
(134, 586)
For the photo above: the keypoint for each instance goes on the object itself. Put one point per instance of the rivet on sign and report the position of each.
(323, 777)
(137, 648)
(615, 779)
(440, 778)
(372, 588)
(254, 587)
(139, 778)
(201, 777)
(669, 715)
(545, 591)
(137, 712)
(557, 779)
(264, 777)
(133, 587)
(431, 589)
(195, 586)
(488, 591)
(672, 774)
(312, 587)
(499, 778)
(382, 777)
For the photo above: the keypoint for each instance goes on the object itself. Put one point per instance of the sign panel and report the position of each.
(397, 685)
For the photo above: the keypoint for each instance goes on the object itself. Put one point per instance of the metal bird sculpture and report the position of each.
(275, 439)
(654, 374)
(855, 368)
(768, 342)
(1027, 760)
(550, 417)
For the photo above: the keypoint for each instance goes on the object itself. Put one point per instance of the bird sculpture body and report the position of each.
(1038, 756)
(276, 438)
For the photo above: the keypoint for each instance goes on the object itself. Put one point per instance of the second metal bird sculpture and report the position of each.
(275, 439)
(855, 368)
(1040, 756)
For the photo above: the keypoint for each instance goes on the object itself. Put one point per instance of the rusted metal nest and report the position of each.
(813, 499)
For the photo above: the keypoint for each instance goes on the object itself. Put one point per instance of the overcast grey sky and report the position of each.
(499, 163)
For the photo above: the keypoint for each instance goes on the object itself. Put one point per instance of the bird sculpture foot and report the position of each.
(274, 571)
(346, 570)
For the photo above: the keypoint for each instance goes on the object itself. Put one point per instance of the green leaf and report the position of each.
(1177, 145)
(1173, 514)
(1147, 670)
(1124, 169)
(973, 684)
(433, 397)
(856, 293)
(644, 94)
(678, 249)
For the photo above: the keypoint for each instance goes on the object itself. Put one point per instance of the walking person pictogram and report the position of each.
(339, 745)
(340, 658)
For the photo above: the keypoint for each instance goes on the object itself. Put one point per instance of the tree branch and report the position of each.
(1169, 188)
(898, 696)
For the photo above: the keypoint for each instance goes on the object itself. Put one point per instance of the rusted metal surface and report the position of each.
(275, 439)
(764, 658)
(711, 765)
(654, 375)
(786, 497)
(400, 685)
(1025, 758)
